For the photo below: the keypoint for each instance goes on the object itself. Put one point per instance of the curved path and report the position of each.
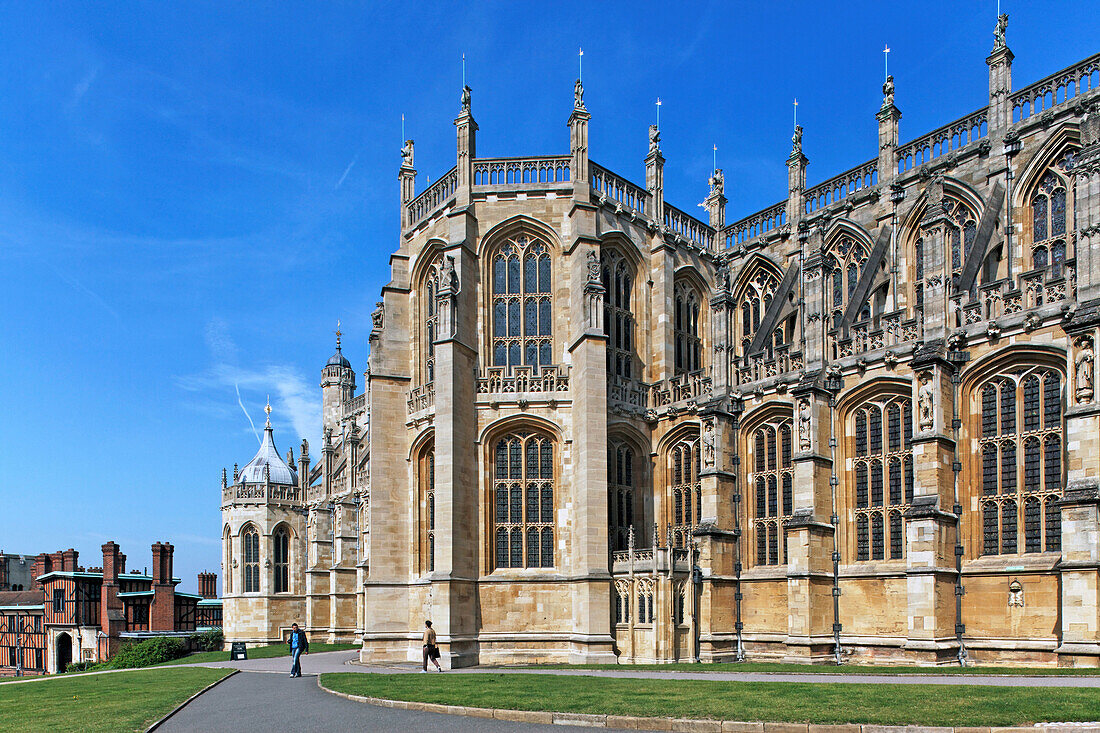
(267, 702)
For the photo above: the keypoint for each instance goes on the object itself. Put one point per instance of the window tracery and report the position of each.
(427, 509)
(687, 506)
(1049, 214)
(618, 320)
(848, 258)
(430, 327)
(251, 542)
(1021, 416)
(522, 304)
(688, 345)
(620, 502)
(754, 302)
(882, 475)
(772, 479)
(961, 231)
(281, 551)
(523, 490)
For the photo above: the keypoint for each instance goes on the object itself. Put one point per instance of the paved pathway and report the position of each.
(342, 662)
(269, 702)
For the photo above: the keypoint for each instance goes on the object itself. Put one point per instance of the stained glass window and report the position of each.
(524, 499)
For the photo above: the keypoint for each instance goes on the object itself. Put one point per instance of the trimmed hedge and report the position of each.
(207, 641)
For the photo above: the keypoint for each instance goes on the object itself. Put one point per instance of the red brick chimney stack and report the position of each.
(68, 560)
(162, 611)
(112, 615)
(208, 585)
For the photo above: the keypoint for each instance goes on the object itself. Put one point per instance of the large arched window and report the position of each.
(620, 500)
(772, 482)
(753, 303)
(523, 496)
(686, 496)
(1049, 216)
(848, 258)
(251, 543)
(882, 476)
(522, 304)
(688, 345)
(1020, 450)
(618, 321)
(281, 550)
(426, 477)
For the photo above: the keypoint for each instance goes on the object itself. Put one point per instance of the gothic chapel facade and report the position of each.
(860, 424)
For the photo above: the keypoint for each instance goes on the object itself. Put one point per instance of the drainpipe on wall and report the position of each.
(958, 358)
(833, 384)
(738, 626)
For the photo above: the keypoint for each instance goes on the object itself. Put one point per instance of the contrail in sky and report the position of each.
(239, 402)
(347, 171)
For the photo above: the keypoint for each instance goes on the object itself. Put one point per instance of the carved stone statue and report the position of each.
(594, 267)
(654, 139)
(407, 155)
(717, 182)
(578, 95)
(999, 31)
(722, 279)
(466, 97)
(448, 278)
(378, 316)
(1083, 363)
(888, 92)
(796, 139)
(805, 441)
(1016, 594)
(925, 403)
(708, 442)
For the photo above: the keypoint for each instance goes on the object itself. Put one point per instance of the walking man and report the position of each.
(431, 651)
(299, 645)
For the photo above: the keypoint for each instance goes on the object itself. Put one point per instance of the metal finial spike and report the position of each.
(267, 409)
(339, 333)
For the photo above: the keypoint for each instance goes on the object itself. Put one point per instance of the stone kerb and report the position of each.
(630, 722)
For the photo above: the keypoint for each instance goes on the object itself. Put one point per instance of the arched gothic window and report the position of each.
(281, 550)
(772, 479)
(620, 500)
(227, 567)
(618, 321)
(1049, 214)
(848, 259)
(523, 490)
(430, 318)
(688, 345)
(753, 304)
(251, 542)
(962, 229)
(882, 476)
(427, 509)
(622, 602)
(522, 304)
(1021, 461)
(685, 489)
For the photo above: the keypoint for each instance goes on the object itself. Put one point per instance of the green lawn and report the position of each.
(260, 652)
(766, 667)
(118, 701)
(930, 705)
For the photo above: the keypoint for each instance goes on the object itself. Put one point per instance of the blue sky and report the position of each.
(191, 194)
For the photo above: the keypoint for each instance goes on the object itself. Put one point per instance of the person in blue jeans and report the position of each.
(299, 645)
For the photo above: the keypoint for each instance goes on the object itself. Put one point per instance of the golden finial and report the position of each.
(267, 409)
(339, 333)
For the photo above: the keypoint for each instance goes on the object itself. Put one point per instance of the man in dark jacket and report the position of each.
(299, 645)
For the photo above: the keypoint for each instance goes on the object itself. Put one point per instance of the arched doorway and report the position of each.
(64, 644)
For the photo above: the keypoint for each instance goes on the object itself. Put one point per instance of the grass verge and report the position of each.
(118, 701)
(260, 652)
(878, 704)
(774, 667)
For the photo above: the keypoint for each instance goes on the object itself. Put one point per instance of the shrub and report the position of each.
(207, 641)
(148, 652)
